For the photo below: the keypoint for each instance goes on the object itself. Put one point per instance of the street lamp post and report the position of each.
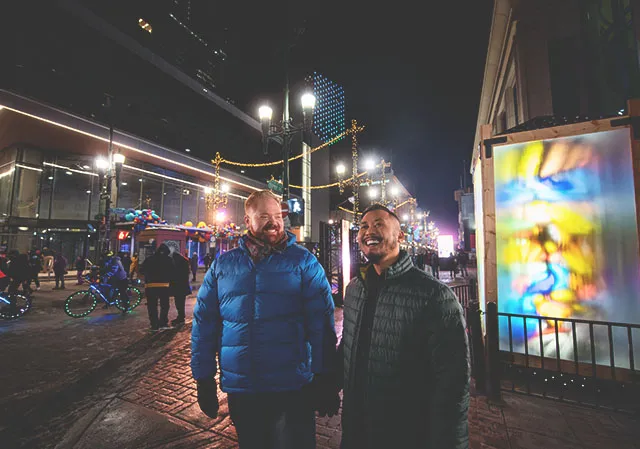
(110, 170)
(285, 130)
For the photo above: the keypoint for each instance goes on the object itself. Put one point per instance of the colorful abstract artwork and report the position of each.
(567, 245)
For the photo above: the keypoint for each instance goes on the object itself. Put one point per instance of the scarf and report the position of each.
(259, 249)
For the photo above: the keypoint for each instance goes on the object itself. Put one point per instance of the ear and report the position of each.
(400, 236)
(247, 221)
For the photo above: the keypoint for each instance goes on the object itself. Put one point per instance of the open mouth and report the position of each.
(371, 242)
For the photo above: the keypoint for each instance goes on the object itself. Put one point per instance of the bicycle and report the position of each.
(13, 305)
(83, 302)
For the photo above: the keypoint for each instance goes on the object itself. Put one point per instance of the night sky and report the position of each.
(412, 74)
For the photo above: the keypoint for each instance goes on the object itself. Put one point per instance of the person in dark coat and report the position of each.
(180, 287)
(81, 264)
(207, 261)
(19, 270)
(435, 264)
(126, 262)
(194, 265)
(405, 350)
(158, 271)
(35, 262)
(59, 270)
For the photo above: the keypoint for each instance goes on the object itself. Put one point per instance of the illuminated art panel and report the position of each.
(567, 243)
(329, 113)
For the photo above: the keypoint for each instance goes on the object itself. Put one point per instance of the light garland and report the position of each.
(325, 186)
(291, 159)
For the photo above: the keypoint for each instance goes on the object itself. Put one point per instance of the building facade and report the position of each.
(559, 58)
(50, 186)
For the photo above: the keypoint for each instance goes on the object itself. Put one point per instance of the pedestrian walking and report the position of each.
(207, 261)
(265, 310)
(59, 270)
(463, 259)
(158, 271)
(35, 262)
(405, 350)
(180, 287)
(133, 269)
(453, 266)
(81, 265)
(435, 264)
(194, 265)
(19, 270)
(126, 262)
(48, 261)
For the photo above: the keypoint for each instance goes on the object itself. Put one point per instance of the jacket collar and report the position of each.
(402, 265)
(291, 240)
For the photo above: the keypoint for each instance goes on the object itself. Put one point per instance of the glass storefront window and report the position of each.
(190, 205)
(151, 193)
(129, 191)
(27, 191)
(171, 205)
(204, 214)
(72, 188)
(7, 169)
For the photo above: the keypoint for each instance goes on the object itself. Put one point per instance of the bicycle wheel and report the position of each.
(18, 306)
(134, 297)
(80, 304)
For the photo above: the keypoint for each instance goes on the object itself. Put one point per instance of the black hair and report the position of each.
(378, 206)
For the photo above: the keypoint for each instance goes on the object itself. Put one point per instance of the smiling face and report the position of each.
(264, 220)
(379, 238)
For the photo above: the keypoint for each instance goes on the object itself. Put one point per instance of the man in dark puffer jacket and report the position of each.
(406, 357)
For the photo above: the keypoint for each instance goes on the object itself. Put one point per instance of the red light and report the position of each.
(122, 235)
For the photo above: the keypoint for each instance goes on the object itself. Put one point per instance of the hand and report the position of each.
(208, 397)
(322, 394)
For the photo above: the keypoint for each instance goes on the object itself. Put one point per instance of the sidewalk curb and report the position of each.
(75, 433)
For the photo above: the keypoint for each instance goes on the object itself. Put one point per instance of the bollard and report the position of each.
(476, 340)
(493, 352)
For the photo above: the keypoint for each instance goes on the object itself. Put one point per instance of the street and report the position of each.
(105, 381)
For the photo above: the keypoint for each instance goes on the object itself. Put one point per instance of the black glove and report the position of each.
(208, 397)
(322, 394)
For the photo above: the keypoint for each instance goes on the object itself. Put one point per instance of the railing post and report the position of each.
(478, 368)
(493, 351)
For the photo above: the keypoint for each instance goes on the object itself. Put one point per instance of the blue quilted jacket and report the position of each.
(270, 323)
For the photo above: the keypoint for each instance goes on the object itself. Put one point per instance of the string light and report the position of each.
(291, 159)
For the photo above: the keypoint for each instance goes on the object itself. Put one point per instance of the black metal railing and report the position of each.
(467, 296)
(582, 361)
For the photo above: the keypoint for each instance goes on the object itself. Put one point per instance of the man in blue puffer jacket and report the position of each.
(265, 310)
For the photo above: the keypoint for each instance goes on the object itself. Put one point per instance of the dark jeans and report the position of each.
(273, 420)
(436, 271)
(121, 286)
(180, 301)
(153, 295)
(193, 278)
(59, 280)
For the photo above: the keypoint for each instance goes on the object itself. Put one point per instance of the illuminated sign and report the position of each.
(123, 235)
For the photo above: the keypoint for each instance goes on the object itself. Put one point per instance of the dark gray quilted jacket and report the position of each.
(416, 392)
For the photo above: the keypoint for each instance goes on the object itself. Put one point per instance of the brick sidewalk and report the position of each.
(160, 410)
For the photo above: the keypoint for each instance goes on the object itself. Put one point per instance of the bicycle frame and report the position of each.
(95, 287)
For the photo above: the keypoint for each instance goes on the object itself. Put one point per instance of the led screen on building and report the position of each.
(329, 113)
(567, 244)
